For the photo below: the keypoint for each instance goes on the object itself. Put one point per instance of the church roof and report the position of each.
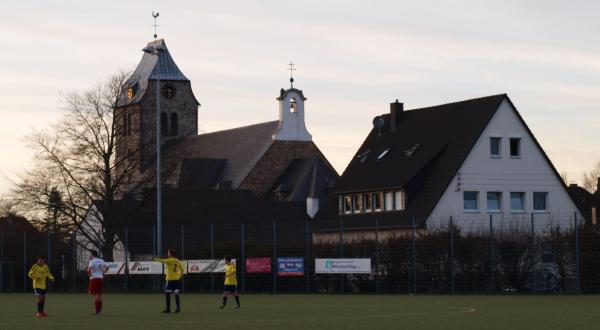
(242, 147)
(151, 67)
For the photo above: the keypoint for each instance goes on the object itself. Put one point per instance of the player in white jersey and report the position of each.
(96, 269)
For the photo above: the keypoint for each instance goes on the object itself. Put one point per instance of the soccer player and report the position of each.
(39, 273)
(173, 275)
(96, 269)
(230, 287)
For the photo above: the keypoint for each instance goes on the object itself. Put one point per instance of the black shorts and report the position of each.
(172, 286)
(230, 288)
(39, 292)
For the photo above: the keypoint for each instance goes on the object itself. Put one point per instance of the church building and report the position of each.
(275, 160)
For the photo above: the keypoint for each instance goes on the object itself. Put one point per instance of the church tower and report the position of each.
(135, 114)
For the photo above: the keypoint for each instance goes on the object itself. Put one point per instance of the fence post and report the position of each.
(24, 261)
(212, 256)
(49, 257)
(126, 272)
(183, 256)
(341, 253)
(274, 259)
(154, 253)
(414, 258)
(376, 255)
(74, 262)
(243, 257)
(533, 262)
(577, 275)
(307, 263)
(1, 261)
(451, 255)
(492, 263)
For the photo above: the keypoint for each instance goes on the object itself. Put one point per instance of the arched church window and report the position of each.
(293, 105)
(163, 124)
(174, 125)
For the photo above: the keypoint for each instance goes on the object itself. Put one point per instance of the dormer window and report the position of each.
(383, 153)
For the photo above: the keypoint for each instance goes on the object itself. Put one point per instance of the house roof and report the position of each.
(241, 147)
(151, 67)
(584, 200)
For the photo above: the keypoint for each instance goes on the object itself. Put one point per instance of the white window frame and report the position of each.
(520, 148)
(388, 203)
(476, 209)
(547, 195)
(523, 199)
(499, 155)
(378, 195)
(399, 198)
(499, 202)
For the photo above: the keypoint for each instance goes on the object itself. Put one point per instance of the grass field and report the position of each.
(142, 311)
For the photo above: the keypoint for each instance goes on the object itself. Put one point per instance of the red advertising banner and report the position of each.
(258, 265)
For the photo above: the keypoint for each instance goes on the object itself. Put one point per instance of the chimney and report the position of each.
(396, 109)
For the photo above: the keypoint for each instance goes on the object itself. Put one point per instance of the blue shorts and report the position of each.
(172, 286)
(230, 288)
(39, 292)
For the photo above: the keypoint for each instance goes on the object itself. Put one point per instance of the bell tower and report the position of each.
(291, 114)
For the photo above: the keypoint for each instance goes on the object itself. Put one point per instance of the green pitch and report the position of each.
(200, 311)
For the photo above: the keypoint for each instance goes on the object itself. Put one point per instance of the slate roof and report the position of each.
(149, 69)
(304, 177)
(241, 147)
(200, 173)
(442, 137)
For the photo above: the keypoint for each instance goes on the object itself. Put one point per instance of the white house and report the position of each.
(467, 160)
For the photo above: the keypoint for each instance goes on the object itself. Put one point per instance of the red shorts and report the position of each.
(95, 286)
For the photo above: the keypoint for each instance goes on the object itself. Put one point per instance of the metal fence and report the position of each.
(494, 254)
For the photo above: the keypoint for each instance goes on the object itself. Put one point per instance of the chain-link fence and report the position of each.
(530, 253)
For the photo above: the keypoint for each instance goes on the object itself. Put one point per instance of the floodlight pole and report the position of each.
(155, 51)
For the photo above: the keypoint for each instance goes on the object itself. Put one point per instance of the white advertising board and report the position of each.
(115, 268)
(343, 266)
(206, 266)
(145, 267)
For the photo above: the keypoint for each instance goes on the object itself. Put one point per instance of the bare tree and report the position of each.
(590, 179)
(76, 170)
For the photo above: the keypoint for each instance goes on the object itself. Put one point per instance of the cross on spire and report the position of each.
(291, 69)
(155, 15)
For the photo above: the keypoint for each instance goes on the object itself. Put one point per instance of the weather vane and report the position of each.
(155, 15)
(291, 69)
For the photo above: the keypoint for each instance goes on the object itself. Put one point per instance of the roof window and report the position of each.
(383, 153)
(411, 151)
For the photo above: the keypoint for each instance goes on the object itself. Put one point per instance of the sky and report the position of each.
(352, 57)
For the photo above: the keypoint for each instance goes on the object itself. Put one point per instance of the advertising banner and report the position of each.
(206, 266)
(290, 266)
(145, 267)
(343, 266)
(115, 268)
(258, 265)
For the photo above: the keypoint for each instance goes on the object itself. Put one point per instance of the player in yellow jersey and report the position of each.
(39, 273)
(174, 272)
(230, 287)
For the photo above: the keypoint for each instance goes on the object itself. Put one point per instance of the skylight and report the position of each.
(411, 151)
(383, 153)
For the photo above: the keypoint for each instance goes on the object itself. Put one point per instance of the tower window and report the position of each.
(293, 105)
(163, 124)
(174, 125)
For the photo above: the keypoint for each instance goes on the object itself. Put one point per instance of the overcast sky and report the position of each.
(352, 60)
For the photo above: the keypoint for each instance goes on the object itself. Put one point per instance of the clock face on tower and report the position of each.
(168, 91)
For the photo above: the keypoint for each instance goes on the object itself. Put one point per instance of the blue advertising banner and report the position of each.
(290, 266)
